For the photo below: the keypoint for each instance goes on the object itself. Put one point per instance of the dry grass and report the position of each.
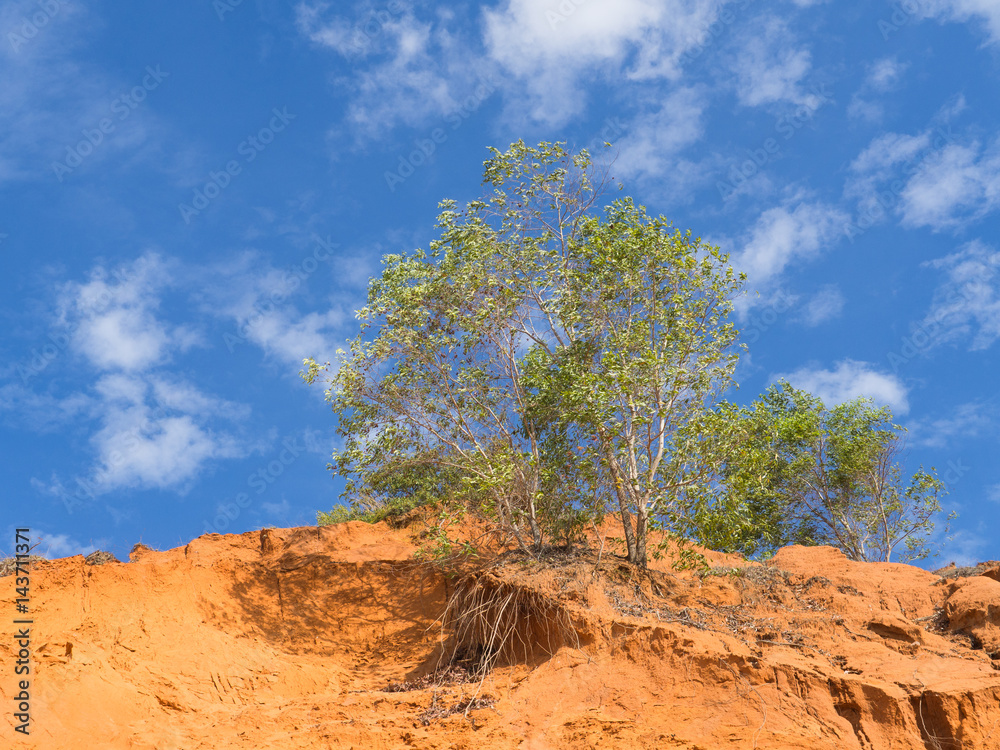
(449, 675)
(100, 557)
(964, 572)
(441, 710)
(9, 564)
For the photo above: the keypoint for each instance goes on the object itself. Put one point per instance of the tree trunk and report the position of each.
(641, 526)
(627, 525)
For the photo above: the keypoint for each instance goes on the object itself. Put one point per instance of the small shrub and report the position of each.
(388, 510)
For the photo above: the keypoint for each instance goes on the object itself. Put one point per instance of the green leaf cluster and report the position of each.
(793, 471)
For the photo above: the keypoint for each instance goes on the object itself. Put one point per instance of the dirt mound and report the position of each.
(336, 637)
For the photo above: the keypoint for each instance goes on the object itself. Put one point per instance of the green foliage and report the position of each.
(540, 362)
(795, 472)
(687, 557)
(383, 511)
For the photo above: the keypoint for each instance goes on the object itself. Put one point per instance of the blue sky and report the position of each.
(194, 194)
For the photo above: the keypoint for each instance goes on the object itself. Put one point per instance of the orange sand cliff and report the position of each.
(289, 638)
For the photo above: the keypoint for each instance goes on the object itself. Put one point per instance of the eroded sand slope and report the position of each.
(288, 638)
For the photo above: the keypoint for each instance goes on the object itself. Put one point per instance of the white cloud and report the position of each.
(182, 396)
(883, 76)
(409, 69)
(972, 420)
(413, 65)
(987, 11)
(888, 151)
(137, 451)
(825, 305)
(965, 548)
(926, 179)
(559, 40)
(256, 299)
(150, 429)
(993, 493)
(52, 546)
(49, 94)
(652, 140)
(529, 37)
(43, 412)
(545, 48)
(954, 187)
(154, 433)
(290, 336)
(112, 322)
(848, 380)
(784, 235)
(967, 303)
(771, 69)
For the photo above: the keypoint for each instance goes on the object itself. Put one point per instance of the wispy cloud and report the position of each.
(257, 301)
(654, 139)
(967, 303)
(411, 65)
(43, 412)
(847, 380)
(973, 420)
(825, 305)
(884, 75)
(928, 178)
(112, 321)
(56, 112)
(771, 68)
(52, 546)
(407, 69)
(784, 235)
(954, 187)
(980, 11)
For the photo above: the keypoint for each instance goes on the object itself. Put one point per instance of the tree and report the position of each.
(555, 361)
(653, 351)
(798, 472)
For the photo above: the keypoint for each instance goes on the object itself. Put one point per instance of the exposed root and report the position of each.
(441, 710)
(492, 622)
